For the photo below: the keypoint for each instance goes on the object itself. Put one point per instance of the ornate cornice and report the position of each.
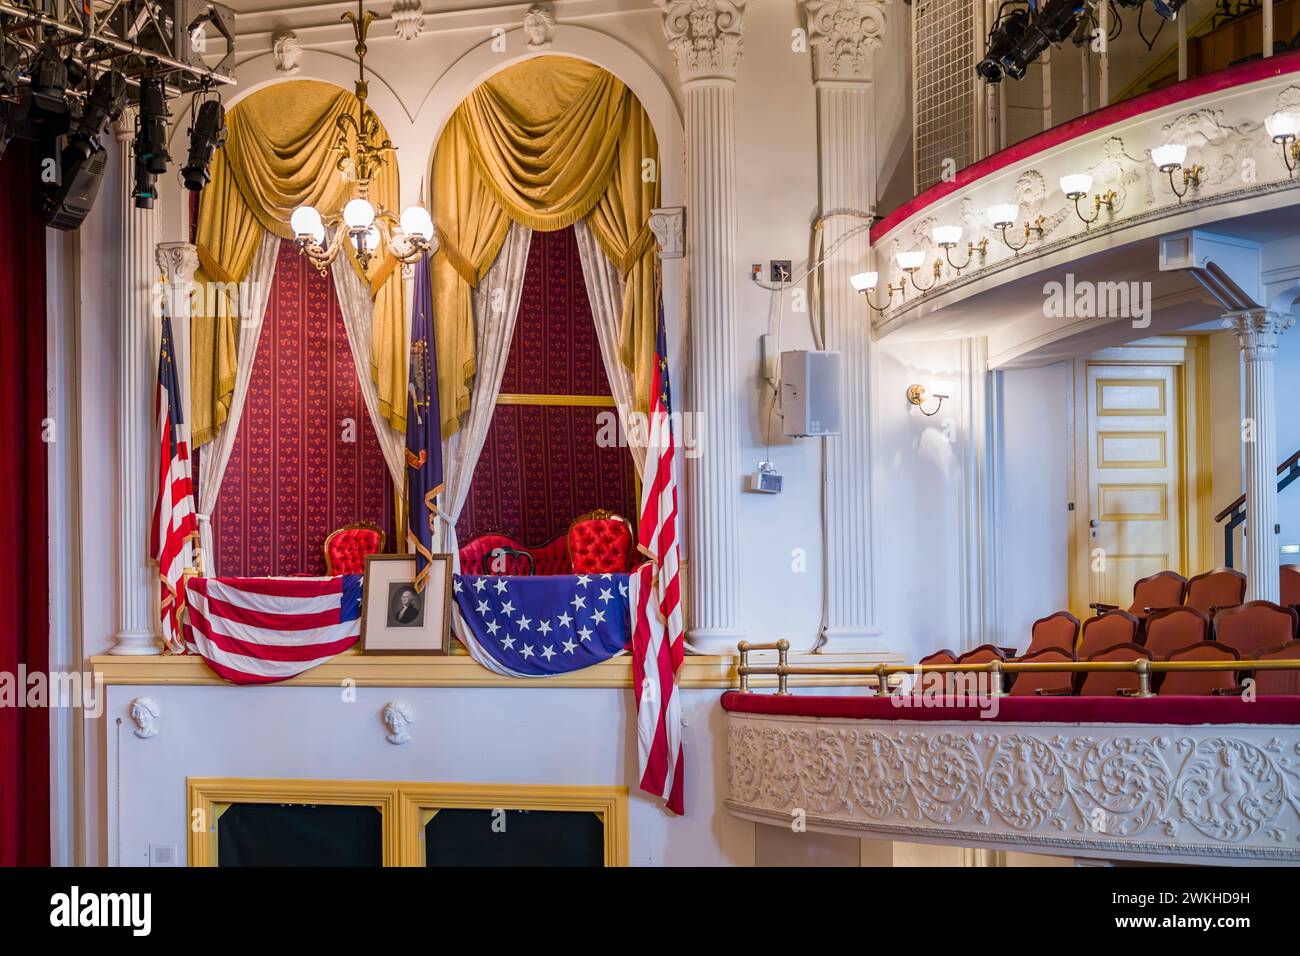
(1258, 330)
(705, 37)
(842, 34)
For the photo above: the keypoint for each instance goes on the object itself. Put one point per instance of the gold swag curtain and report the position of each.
(280, 155)
(544, 143)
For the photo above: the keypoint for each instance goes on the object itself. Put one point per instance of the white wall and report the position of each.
(1033, 568)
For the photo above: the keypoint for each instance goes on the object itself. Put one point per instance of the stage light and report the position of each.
(206, 135)
(49, 81)
(416, 221)
(103, 107)
(1053, 24)
(146, 182)
(66, 204)
(1168, 8)
(358, 214)
(1002, 38)
(1076, 185)
(151, 139)
(11, 56)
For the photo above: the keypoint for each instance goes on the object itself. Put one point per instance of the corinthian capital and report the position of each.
(704, 36)
(177, 260)
(842, 34)
(1257, 331)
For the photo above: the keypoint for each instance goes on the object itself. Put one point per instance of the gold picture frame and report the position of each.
(395, 619)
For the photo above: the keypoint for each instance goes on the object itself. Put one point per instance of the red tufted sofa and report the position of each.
(346, 548)
(596, 542)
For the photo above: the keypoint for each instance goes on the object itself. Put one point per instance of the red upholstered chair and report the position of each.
(1106, 630)
(1110, 683)
(1222, 587)
(501, 554)
(942, 656)
(1173, 628)
(1254, 626)
(346, 548)
(600, 542)
(1162, 589)
(982, 655)
(1045, 683)
(1290, 592)
(1201, 683)
(1059, 631)
(1278, 683)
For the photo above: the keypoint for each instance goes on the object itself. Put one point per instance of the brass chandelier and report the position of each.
(363, 150)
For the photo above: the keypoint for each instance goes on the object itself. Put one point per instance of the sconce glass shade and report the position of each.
(358, 214)
(1076, 185)
(1282, 126)
(946, 235)
(864, 281)
(1004, 214)
(416, 221)
(941, 388)
(1169, 156)
(306, 221)
(910, 259)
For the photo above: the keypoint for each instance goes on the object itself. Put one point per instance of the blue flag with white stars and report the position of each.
(544, 625)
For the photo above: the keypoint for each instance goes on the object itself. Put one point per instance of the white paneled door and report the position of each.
(1134, 484)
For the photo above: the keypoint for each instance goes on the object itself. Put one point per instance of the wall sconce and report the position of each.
(947, 237)
(1076, 186)
(918, 395)
(1169, 159)
(910, 262)
(1004, 216)
(864, 283)
(1284, 129)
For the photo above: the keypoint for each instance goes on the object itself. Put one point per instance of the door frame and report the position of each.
(1189, 354)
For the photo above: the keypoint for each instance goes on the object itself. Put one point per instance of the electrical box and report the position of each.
(810, 393)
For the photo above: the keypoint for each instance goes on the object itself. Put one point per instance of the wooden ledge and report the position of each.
(458, 670)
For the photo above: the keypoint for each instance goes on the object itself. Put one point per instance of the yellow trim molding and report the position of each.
(579, 401)
(420, 801)
(403, 807)
(698, 672)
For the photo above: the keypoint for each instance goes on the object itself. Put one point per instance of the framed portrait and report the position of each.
(397, 619)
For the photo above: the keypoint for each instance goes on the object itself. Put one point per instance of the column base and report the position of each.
(856, 640)
(136, 644)
(715, 640)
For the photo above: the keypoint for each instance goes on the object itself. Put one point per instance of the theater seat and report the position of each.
(1106, 630)
(346, 548)
(1110, 683)
(1173, 628)
(1044, 683)
(600, 542)
(1254, 626)
(1222, 587)
(1290, 586)
(1201, 683)
(1278, 683)
(1160, 590)
(942, 656)
(1059, 631)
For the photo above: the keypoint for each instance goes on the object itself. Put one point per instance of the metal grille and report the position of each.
(943, 85)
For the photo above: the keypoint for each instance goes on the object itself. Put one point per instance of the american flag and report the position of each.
(658, 643)
(261, 630)
(541, 626)
(174, 523)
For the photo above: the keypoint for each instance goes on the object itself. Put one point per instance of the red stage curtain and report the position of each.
(293, 475)
(24, 564)
(541, 466)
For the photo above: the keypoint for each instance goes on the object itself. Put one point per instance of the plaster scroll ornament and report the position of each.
(668, 227)
(705, 36)
(408, 18)
(842, 34)
(539, 27)
(398, 717)
(287, 51)
(144, 711)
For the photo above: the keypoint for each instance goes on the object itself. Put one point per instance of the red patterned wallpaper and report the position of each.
(541, 466)
(306, 460)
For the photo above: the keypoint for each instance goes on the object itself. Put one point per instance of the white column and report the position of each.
(1257, 334)
(177, 262)
(842, 35)
(705, 38)
(137, 623)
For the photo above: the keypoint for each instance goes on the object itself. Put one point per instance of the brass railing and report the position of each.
(1144, 668)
